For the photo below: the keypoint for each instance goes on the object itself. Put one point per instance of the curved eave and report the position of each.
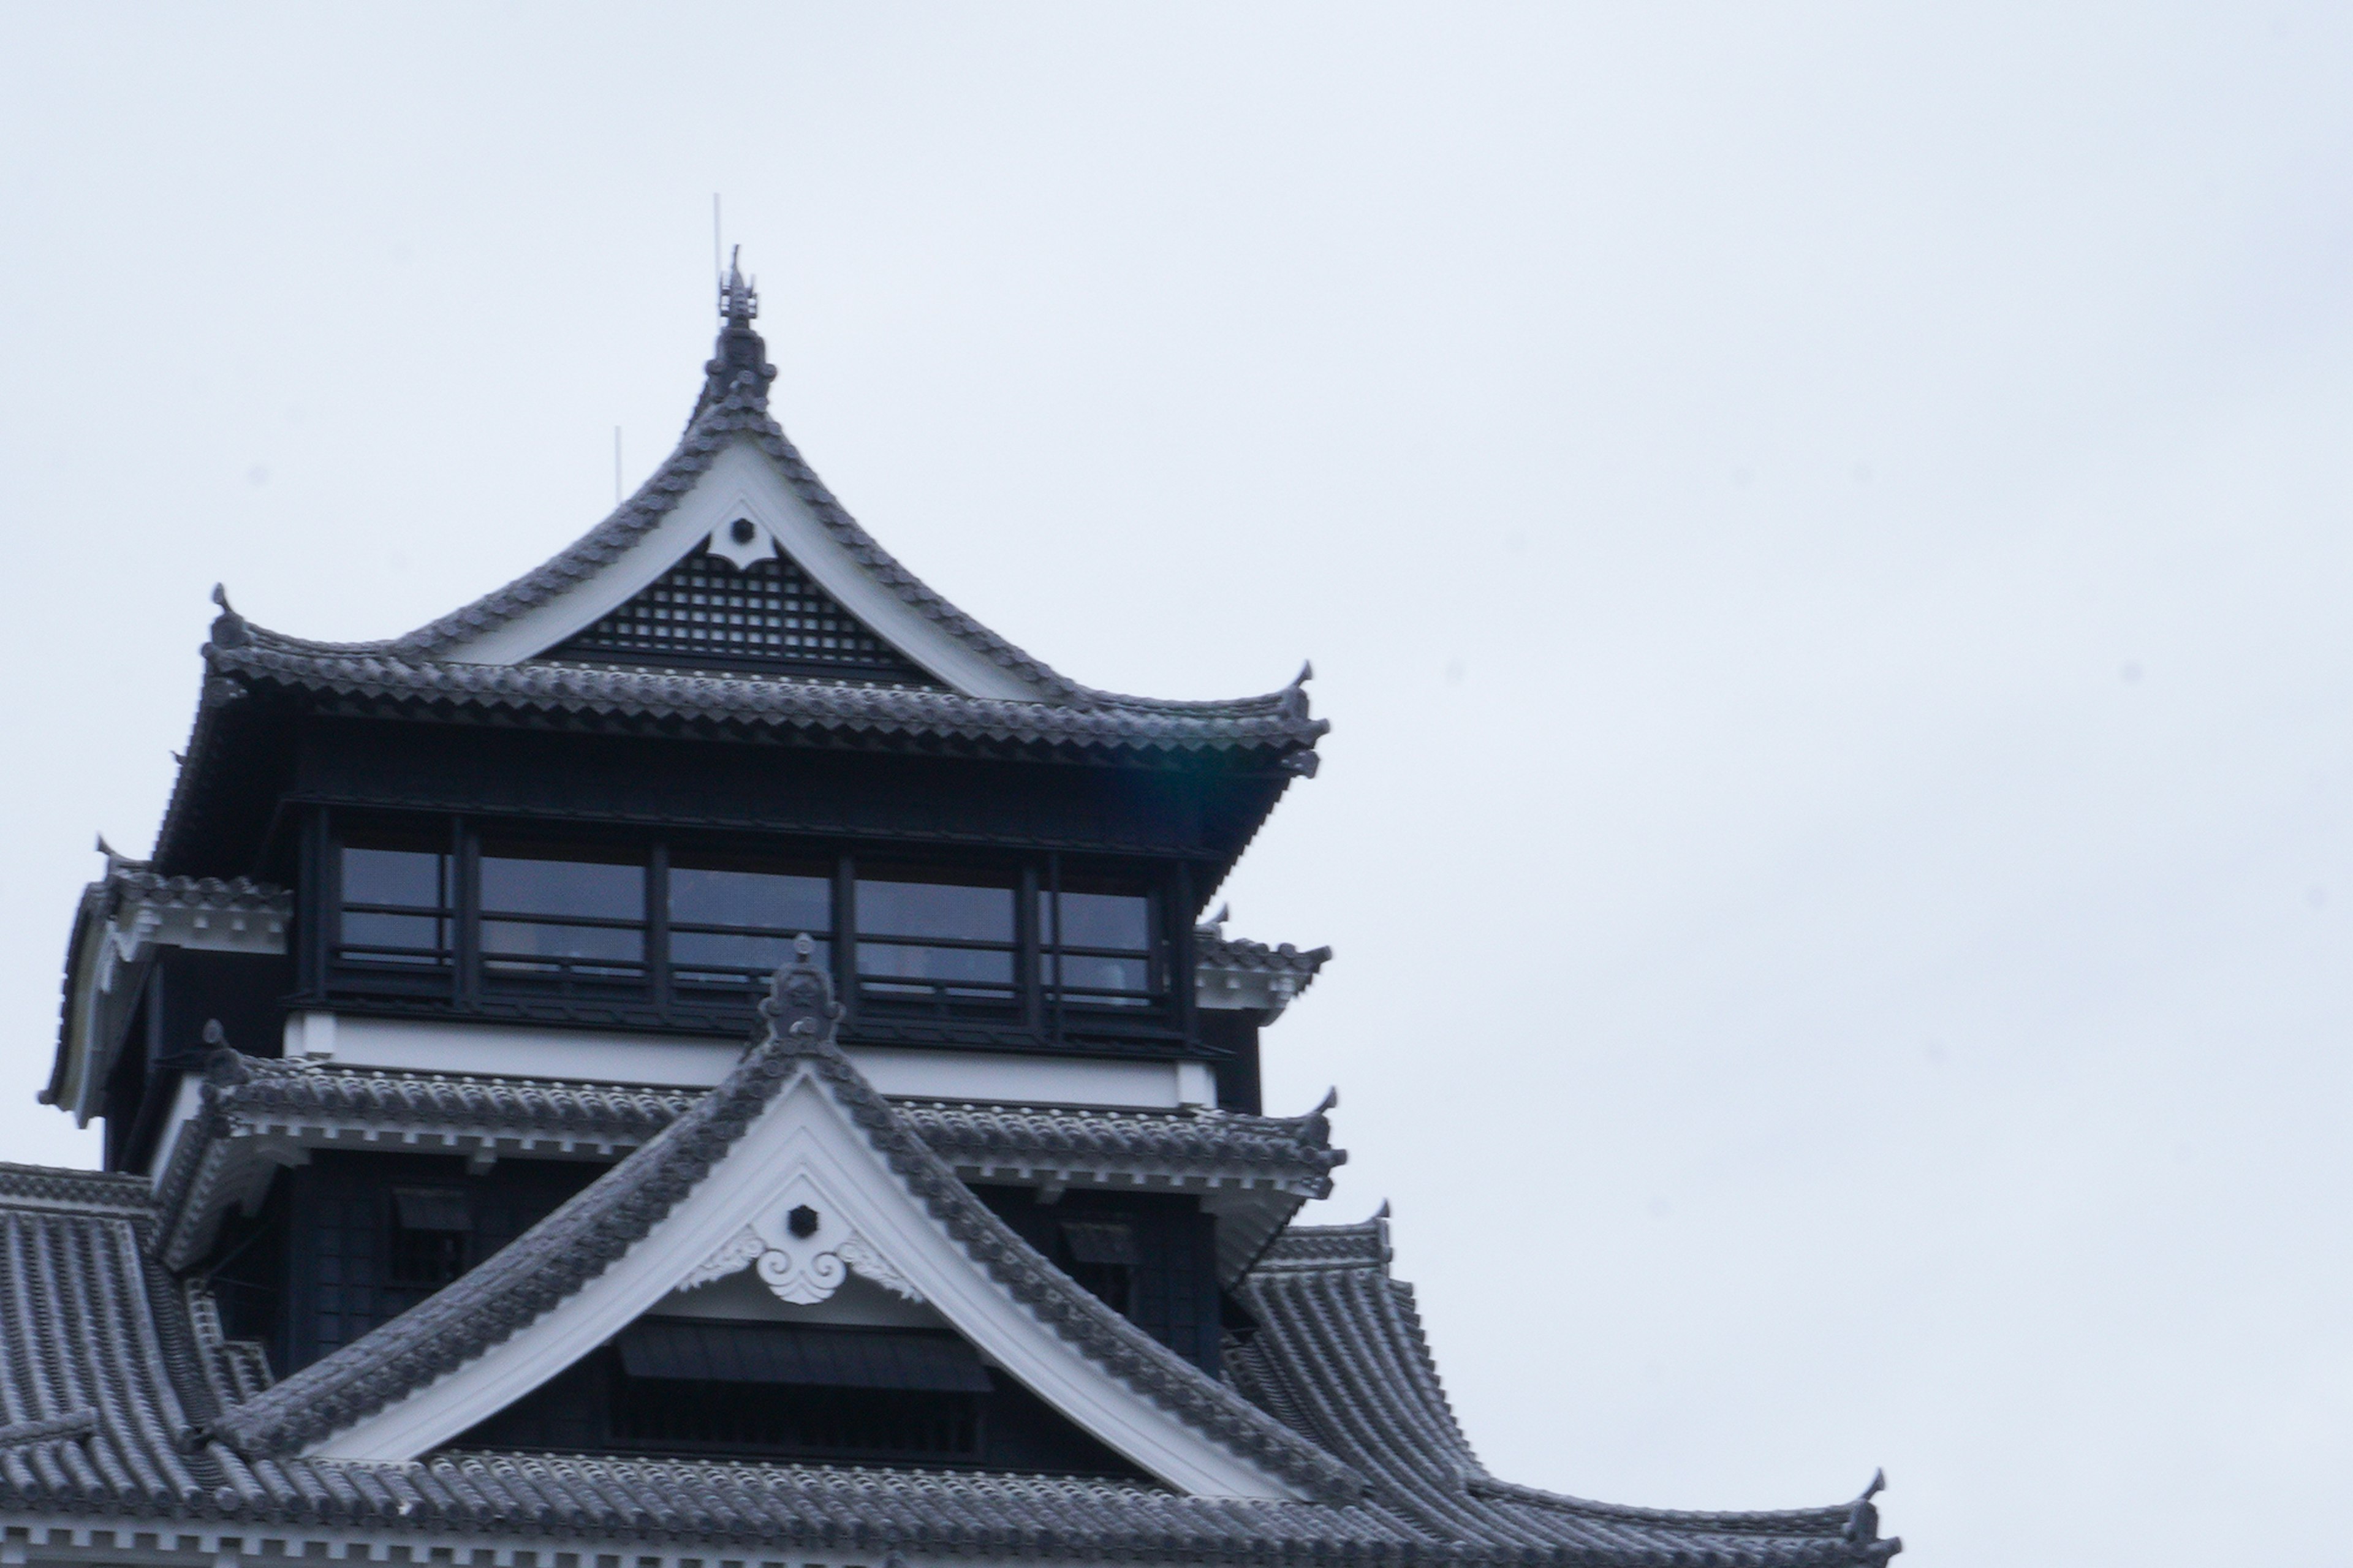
(69, 1084)
(1278, 723)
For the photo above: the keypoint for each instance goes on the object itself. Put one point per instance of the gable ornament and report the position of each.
(801, 1268)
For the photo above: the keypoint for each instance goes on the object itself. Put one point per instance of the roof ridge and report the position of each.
(741, 413)
(580, 1240)
(64, 1188)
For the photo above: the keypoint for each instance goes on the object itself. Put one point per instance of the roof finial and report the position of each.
(739, 367)
(800, 996)
(739, 302)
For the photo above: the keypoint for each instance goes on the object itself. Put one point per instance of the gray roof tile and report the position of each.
(735, 408)
(1277, 721)
(1339, 1355)
(580, 1240)
(103, 1399)
(246, 1102)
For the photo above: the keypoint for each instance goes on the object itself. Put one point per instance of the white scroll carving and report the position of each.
(801, 1275)
(742, 1250)
(802, 1269)
(859, 1254)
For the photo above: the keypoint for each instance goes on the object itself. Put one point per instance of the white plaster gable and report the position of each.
(741, 1297)
(743, 483)
(804, 1151)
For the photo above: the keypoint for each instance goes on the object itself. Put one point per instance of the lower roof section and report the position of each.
(246, 1118)
(109, 1390)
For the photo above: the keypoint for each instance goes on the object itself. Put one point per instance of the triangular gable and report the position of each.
(794, 1128)
(761, 617)
(736, 490)
(739, 511)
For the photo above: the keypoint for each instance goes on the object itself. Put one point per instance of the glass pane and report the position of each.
(934, 908)
(516, 938)
(395, 930)
(764, 900)
(563, 887)
(1096, 973)
(752, 955)
(1101, 920)
(409, 877)
(945, 965)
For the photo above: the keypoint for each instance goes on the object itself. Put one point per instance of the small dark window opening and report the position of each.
(429, 1232)
(818, 1423)
(814, 1392)
(1103, 1258)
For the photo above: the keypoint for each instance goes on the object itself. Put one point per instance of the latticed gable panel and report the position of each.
(766, 618)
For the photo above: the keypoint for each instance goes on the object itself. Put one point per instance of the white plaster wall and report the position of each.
(902, 1072)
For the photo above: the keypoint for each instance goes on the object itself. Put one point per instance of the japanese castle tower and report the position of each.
(709, 1057)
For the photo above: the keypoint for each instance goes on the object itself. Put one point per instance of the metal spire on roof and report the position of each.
(739, 302)
(740, 354)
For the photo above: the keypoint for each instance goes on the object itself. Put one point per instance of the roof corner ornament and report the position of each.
(224, 1066)
(229, 630)
(116, 860)
(1862, 1519)
(800, 1003)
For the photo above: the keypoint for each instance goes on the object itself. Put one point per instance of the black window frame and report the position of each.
(466, 975)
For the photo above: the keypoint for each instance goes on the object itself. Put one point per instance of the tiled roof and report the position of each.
(1212, 948)
(249, 1103)
(133, 886)
(1235, 973)
(104, 1403)
(733, 406)
(575, 1244)
(1340, 1356)
(1277, 721)
(1293, 1152)
(119, 917)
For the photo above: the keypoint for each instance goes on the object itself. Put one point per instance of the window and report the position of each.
(428, 1234)
(685, 933)
(731, 927)
(1096, 948)
(397, 906)
(1101, 1257)
(562, 920)
(924, 935)
(829, 1393)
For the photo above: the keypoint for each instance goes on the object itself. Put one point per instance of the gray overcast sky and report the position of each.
(1823, 531)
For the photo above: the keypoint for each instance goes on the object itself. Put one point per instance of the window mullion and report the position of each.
(465, 853)
(845, 933)
(1054, 917)
(1029, 971)
(657, 938)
